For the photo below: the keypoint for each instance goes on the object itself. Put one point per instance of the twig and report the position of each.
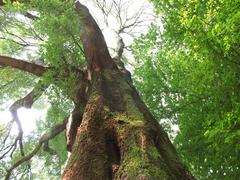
(45, 138)
(26, 102)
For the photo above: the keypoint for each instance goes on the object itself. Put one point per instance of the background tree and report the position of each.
(188, 74)
(110, 132)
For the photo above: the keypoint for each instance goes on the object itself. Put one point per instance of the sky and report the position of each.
(28, 117)
(130, 8)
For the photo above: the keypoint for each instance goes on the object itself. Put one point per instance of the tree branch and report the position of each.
(120, 48)
(48, 149)
(46, 137)
(26, 102)
(31, 16)
(22, 65)
(16, 42)
(95, 47)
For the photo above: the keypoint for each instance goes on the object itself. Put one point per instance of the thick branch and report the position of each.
(30, 98)
(75, 118)
(22, 65)
(26, 102)
(95, 48)
(45, 138)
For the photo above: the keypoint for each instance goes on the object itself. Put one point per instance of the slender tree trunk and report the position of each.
(114, 134)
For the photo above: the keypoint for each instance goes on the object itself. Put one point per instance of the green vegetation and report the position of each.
(48, 40)
(189, 75)
(187, 72)
(137, 164)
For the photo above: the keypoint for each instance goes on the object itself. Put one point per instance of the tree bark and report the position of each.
(117, 137)
(22, 65)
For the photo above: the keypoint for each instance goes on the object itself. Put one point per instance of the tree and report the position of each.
(110, 132)
(192, 68)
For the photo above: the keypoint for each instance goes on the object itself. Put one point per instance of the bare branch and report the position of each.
(26, 102)
(9, 127)
(16, 42)
(105, 9)
(19, 39)
(128, 22)
(36, 35)
(8, 149)
(57, 129)
(15, 36)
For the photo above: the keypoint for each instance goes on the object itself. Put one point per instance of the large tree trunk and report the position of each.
(114, 134)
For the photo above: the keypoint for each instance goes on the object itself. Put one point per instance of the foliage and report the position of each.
(9, 83)
(51, 40)
(189, 73)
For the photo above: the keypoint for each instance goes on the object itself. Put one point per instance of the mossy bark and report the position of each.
(117, 138)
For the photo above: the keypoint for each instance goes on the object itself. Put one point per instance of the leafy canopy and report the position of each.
(45, 33)
(189, 74)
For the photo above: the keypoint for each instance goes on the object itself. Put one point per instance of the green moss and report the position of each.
(81, 108)
(107, 73)
(131, 108)
(76, 157)
(107, 109)
(116, 78)
(121, 117)
(130, 120)
(134, 160)
(136, 164)
(82, 137)
(155, 156)
(153, 152)
(108, 112)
